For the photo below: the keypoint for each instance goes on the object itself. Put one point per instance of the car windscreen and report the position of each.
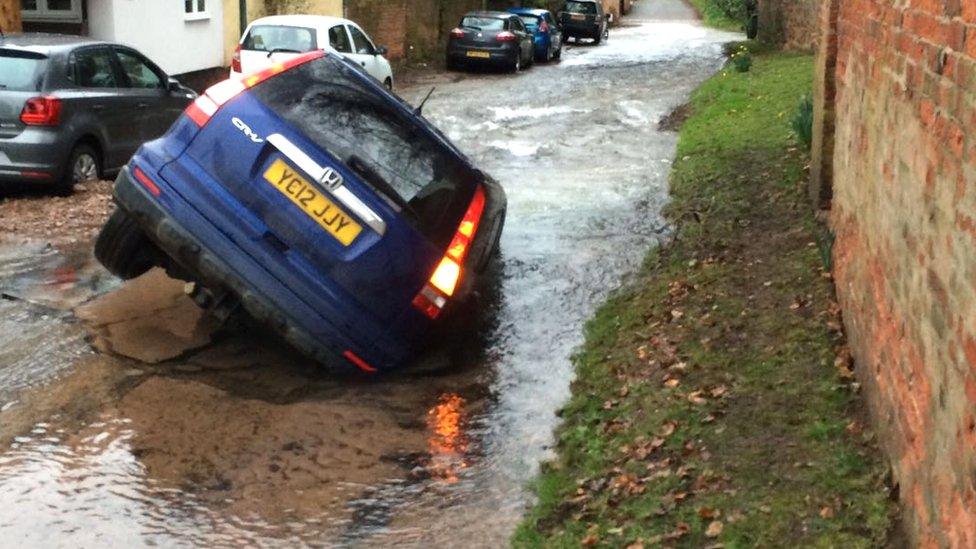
(529, 20)
(389, 150)
(281, 38)
(588, 8)
(482, 23)
(21, 70)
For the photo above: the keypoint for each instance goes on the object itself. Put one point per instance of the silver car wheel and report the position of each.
(85, 168)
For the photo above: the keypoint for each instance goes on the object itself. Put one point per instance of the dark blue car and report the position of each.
(546, 36)
(320, 202)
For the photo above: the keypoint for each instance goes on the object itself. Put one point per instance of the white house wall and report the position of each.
(161, 31)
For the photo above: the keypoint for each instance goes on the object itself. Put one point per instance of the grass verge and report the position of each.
(713, 403)
(714, 15)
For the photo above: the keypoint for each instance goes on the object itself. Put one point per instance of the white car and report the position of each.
(280, 37)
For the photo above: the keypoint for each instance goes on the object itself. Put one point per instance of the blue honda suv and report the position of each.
(323, 204)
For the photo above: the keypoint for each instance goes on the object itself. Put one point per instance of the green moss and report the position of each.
(736, 310)
(722, 14)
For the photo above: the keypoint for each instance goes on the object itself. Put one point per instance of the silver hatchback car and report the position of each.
(74, 109)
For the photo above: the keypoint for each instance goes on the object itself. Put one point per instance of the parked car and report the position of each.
(546, 36)
(281, 37)
(490, 37)
(584, 19)
(73, 109)
(325, 205)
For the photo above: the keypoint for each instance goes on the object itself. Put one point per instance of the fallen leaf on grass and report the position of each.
(671, 383)
(707, 513)
(636, 545)
(590, 540)
(714, 529)
(718, 392)
(827, 512)
(696, 398)
(667, 429)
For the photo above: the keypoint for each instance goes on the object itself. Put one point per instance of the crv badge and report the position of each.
(246, 130)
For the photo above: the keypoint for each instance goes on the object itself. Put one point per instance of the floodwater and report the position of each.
(232, 439)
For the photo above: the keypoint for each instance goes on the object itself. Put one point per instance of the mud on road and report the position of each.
(153, 426)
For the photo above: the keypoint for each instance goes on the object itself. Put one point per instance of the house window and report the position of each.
(68, 11)
(195, 9)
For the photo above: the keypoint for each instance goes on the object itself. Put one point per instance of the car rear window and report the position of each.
(482, 23)
(581, 7)
(21, 70)
(281, 38)
(388, 150)
(529, 20)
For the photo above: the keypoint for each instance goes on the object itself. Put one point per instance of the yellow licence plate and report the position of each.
(481, 54)
(578, 17)
(335, 221)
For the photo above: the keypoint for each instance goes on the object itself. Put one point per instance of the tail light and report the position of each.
(41, 111)
(442, 284)
(506, 36)
(544, 27)
(235, 64)
(205, 106)
(457, 33)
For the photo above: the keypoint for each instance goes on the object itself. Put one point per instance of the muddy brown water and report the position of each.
(127, 420)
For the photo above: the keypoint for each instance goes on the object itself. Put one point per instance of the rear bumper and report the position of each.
(581, 30)
(459, 53)
(41, 153)
(262, 296)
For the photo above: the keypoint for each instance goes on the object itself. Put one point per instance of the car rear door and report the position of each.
(147, 85)
(94, 72)
(306, 162)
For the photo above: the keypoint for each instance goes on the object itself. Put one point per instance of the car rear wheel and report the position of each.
(123, 248)
(388, 83)
(84, 164)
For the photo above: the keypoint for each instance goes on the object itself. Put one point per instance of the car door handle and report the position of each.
(98, 107)
(143, 105)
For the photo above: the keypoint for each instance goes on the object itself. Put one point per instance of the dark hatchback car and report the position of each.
(584, 19)
(493, 38)
(73, 109)
(321, 202)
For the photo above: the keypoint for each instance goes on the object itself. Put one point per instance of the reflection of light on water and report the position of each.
(447, 442)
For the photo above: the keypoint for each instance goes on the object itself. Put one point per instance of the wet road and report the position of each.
(241, 441)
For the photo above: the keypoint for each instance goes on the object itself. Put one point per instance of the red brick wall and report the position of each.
(904, 214)
(790, 23)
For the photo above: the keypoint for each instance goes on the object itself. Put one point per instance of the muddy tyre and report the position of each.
(84, 164)
(123, 248)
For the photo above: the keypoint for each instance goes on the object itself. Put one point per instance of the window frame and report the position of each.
(42, 13)
(196, 12)
(352, 39)
(345, 31)
(163, 77)
(112, 61)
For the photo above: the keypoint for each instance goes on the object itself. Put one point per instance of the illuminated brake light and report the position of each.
(457, 33)
(443, 283)
(204, 107)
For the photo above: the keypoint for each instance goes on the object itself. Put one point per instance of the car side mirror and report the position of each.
(174, 85)
(380, 50)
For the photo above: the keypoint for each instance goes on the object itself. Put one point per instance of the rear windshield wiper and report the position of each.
(372, 177)
(282, 50)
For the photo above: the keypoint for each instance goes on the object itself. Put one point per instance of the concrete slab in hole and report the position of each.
(149, 319)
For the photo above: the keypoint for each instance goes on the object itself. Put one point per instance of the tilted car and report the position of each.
(281, 37)
(546, 34)
(324, 204)
(490, 37)
(584, 19)
(74, 109)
